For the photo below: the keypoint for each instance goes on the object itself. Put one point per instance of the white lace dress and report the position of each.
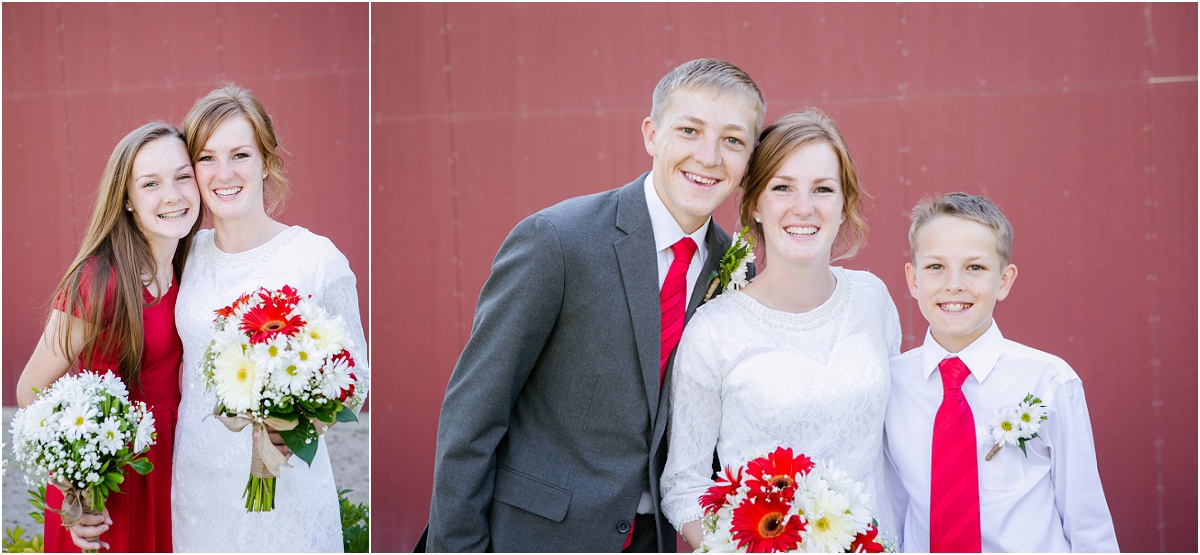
(748, 379)
(212, 463)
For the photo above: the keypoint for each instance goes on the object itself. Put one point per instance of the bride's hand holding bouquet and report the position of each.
(279, 363)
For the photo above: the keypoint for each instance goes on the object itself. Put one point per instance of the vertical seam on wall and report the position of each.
(1155, 363)
(62, 71)
(220, 47)
(455, 224)
(901, 105)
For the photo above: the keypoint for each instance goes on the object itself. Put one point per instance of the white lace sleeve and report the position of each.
(694, 425)
(338, 294)
(891, 323)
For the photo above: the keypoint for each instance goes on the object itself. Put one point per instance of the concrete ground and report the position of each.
(349, 447)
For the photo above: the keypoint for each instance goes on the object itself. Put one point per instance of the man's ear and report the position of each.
(649, 132)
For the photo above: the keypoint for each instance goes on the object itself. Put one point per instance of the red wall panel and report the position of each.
(487, 113)
(78, 77)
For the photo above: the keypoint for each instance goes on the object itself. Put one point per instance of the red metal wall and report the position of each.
(78, 77)
(1079, 120)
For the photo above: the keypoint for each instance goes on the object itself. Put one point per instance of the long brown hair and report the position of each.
(103, 285)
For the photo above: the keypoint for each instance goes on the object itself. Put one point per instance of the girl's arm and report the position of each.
(48, 363)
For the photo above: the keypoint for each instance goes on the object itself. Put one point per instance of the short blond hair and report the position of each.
(968, 207)
(709, 73)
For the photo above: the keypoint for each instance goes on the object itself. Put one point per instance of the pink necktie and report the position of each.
(954, 482)
(673, 299)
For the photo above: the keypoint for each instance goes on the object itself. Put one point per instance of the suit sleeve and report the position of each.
(517, 311)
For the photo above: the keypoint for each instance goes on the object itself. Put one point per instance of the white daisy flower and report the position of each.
(326, 334)
(830, 527)
(1030, 417)
(237, 379)
(271, 355)
(307, 356)
(113, 384)
(293, 377)
(144, 437)
(1006, 429)
(336, 378)
(111, 436)
(77, 421)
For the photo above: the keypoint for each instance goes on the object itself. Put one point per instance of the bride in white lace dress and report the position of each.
(799, 357)
(237, 171)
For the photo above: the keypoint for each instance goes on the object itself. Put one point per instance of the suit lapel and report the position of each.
(639, 274)
(718, 243)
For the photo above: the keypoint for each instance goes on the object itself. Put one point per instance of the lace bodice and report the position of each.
(748, 379)
(211, 463)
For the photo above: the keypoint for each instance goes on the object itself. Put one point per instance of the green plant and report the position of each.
(14, 538)
(37, 498)
(15, 542)
(356, 537)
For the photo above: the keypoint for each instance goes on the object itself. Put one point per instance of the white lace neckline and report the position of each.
(802, 321)
(221, 258)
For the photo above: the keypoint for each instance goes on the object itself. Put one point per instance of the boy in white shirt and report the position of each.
(1036, 492)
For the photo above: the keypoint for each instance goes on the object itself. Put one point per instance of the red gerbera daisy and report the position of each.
(763, 526)
(349, 391)
(344, 355)
(777, 471)
(714, 498)
(229, 310)
(867, 542)
(269, 319)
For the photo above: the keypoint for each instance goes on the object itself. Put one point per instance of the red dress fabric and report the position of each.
(141, 511)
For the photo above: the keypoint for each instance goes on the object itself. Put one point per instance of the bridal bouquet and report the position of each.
(79, 434)
(780, 503)
(277, 361)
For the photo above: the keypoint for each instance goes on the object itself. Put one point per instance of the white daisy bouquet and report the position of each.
(785, 503)
(1017, 424)
(279, 362)
(79, 435)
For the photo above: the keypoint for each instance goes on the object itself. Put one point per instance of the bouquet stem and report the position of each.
(992, 453)
(260, 494)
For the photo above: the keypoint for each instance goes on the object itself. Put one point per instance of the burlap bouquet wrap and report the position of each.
(265, 459)
(76, 503)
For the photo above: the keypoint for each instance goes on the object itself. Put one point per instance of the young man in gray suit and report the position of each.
(551, 435)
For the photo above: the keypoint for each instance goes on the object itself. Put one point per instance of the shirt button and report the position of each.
(623, 527)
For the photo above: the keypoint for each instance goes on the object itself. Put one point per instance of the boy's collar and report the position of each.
(980, 356)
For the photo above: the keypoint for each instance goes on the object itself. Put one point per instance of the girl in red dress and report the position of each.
(114, 311)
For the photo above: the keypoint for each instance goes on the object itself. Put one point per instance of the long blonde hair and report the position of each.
(103, 285)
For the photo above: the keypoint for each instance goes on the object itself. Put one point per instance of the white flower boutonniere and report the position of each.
(1018, 424)
(731, 272)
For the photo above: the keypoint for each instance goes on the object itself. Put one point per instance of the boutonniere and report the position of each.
(1018, 424)
(731, 272)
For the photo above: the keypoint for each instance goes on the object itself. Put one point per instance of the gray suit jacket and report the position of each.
(553, 422)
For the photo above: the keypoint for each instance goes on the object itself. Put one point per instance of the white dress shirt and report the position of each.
(1048, 501)
(667, 232)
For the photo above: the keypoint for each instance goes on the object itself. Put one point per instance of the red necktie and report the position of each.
(673, 299)
(954, 482)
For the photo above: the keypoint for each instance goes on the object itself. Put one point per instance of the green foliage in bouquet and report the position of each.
(355, 536)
